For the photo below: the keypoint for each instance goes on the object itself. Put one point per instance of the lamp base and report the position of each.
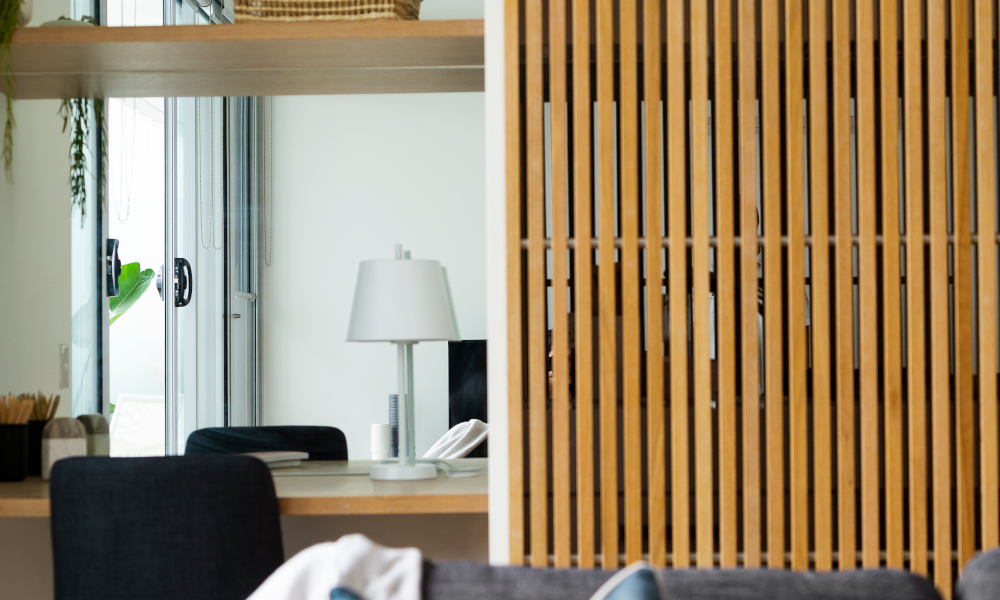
(396, 472)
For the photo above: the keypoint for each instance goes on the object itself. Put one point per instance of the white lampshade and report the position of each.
(402, 300)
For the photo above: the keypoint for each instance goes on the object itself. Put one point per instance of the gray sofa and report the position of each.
(467, 581)
(981, 578)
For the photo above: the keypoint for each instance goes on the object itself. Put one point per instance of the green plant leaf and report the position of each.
(132, 284)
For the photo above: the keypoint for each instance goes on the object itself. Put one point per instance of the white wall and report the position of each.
(353, 176)
(35, 244)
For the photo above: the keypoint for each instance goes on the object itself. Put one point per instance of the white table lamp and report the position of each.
(404, 302)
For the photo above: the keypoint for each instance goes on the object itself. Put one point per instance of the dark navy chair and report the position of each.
(192, 527)
(322, 443)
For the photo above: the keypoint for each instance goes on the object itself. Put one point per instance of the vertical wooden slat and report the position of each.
(915, 314)
(819, 179)
(699, 261)
(749, 284)
(938, 217)
(965, 423)
(795, 205)
(985, 189)
(583, 257)
(537, 373)
(844, 284)
(864, 111)
(676, 175)
(891, 327)
(773, 363)
(515, 404)
(656, 448)
(606, 284)
(560, 319)
(725, 300)
(631, 338)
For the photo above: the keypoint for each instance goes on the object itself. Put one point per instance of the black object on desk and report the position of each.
(467, 386)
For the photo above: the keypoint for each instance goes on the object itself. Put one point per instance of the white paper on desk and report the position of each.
(354, 562)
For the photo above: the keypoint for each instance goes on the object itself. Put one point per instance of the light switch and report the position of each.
(63, 366)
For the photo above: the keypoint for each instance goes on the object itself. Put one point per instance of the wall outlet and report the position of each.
(63, 366)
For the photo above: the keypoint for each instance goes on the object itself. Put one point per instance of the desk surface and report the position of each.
(321, 488)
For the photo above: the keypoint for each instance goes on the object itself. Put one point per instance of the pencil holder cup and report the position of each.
(13, 452)
(35, 446)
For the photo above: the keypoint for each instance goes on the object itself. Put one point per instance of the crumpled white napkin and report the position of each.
(354, 562)
(459, 440)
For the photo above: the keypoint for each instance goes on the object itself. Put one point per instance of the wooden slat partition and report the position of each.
(864, 118)
(913, 134)
(774, 360)
(537, 373)
(819, 195)
(749, 217)
(701, 359)
(986, 273)
(607, 293)
(628, 102)
(655, 413)
(561, 523)
(677, 211)
(892, 347)
(582, 299)
(765, 341)
(725, 261)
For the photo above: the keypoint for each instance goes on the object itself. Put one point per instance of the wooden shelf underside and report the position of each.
(272, 59)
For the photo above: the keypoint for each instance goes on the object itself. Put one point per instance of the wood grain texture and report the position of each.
(725, 301)
(798, 452)
(655, 398)
(915, 306)
(537, 323)
(864, 111)
(677, 226)
(989, 453)
(584, 260)
(515, 351)
(320, 488)
(819, 192)
(582, 301)
(749, 282)
(701, 332)
(607, 307)
(561, 524)
(631, 324)
(844, 302)
(892, 336)
(939, 335)
(770, 135)
(249, 59)
(965, 421)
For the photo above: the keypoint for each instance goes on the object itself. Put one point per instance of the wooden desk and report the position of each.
(321, 488)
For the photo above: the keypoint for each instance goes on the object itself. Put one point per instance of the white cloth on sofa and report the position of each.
(353, 562)
(459, 440)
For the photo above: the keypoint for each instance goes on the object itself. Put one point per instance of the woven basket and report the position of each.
(326, 10)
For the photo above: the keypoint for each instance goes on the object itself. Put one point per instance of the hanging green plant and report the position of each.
(10, 17)
(76, 113)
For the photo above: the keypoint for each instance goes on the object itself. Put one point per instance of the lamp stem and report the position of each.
(404, 417)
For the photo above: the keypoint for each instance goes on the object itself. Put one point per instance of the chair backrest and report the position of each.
(192, 527)
(322, 443)
(137, 426)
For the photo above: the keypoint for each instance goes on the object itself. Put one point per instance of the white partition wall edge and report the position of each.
(496, 283)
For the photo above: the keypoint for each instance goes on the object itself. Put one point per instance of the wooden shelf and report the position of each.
(271, 59)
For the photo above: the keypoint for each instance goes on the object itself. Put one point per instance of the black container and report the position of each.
(13, 452)
(35, 446)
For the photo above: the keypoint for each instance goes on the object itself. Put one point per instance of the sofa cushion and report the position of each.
(461, 581)
(980, 578)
